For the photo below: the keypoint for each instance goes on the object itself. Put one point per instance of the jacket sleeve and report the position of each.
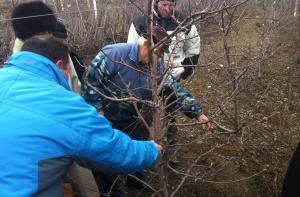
(133, 36)
(73, 80)
(191, 49)
(78, 65)
(181, 98)
(105, 149)
(97, 75)
(192, 44)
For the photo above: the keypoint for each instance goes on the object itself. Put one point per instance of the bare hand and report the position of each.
(206, 124)
(159, 147)
(101, 113)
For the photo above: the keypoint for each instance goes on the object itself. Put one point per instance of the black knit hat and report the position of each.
(60, 31)
(27, 27)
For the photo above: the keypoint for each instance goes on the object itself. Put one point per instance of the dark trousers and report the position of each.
(107, 182)
(133, 128)
(291, 185)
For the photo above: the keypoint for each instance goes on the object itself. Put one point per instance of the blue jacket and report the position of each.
(116, 71)
(45, 127)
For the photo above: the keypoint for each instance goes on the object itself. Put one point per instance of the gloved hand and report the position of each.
(188, 71)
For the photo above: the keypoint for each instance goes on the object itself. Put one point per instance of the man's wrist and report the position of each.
(199, 114)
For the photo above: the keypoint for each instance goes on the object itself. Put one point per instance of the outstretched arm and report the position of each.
(182, 99)
(108, 150)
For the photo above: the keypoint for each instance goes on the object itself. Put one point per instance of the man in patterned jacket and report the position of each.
(121, 70)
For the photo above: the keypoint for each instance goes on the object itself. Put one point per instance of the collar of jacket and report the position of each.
(38, 65)
(134, 56)
(155, 13)
(17, 45)
(134, 53)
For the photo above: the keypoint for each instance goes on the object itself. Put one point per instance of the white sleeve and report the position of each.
(17, 45)
(192, 44)
(133, 36)
(177, 72)
(73, 78)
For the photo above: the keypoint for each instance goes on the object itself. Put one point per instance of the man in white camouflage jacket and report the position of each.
(185, 46)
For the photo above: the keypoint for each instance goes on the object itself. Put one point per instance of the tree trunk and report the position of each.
(95, 9)
(155, 97)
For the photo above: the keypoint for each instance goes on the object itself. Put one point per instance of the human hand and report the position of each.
(206, 124)
(101, 112)
(159, 147)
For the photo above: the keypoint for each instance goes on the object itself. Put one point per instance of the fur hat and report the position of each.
(27, 27)
(60, 30)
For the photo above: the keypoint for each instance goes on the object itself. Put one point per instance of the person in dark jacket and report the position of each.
(37, 18)
(45, 126)
(61, 33)
(291, 185)
(29, 19)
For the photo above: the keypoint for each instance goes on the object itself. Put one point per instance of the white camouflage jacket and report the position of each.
(184, 48)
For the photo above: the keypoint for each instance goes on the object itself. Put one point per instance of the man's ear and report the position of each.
(143, 47)
(65, 69)
(60, 64)
(143, 52)
(145, 44)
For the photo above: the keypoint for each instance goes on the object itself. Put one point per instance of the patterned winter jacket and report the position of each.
(184, 48)
(115, 72)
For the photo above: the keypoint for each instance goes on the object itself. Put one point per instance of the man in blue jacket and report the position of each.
(120, 71)
(45, 126)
